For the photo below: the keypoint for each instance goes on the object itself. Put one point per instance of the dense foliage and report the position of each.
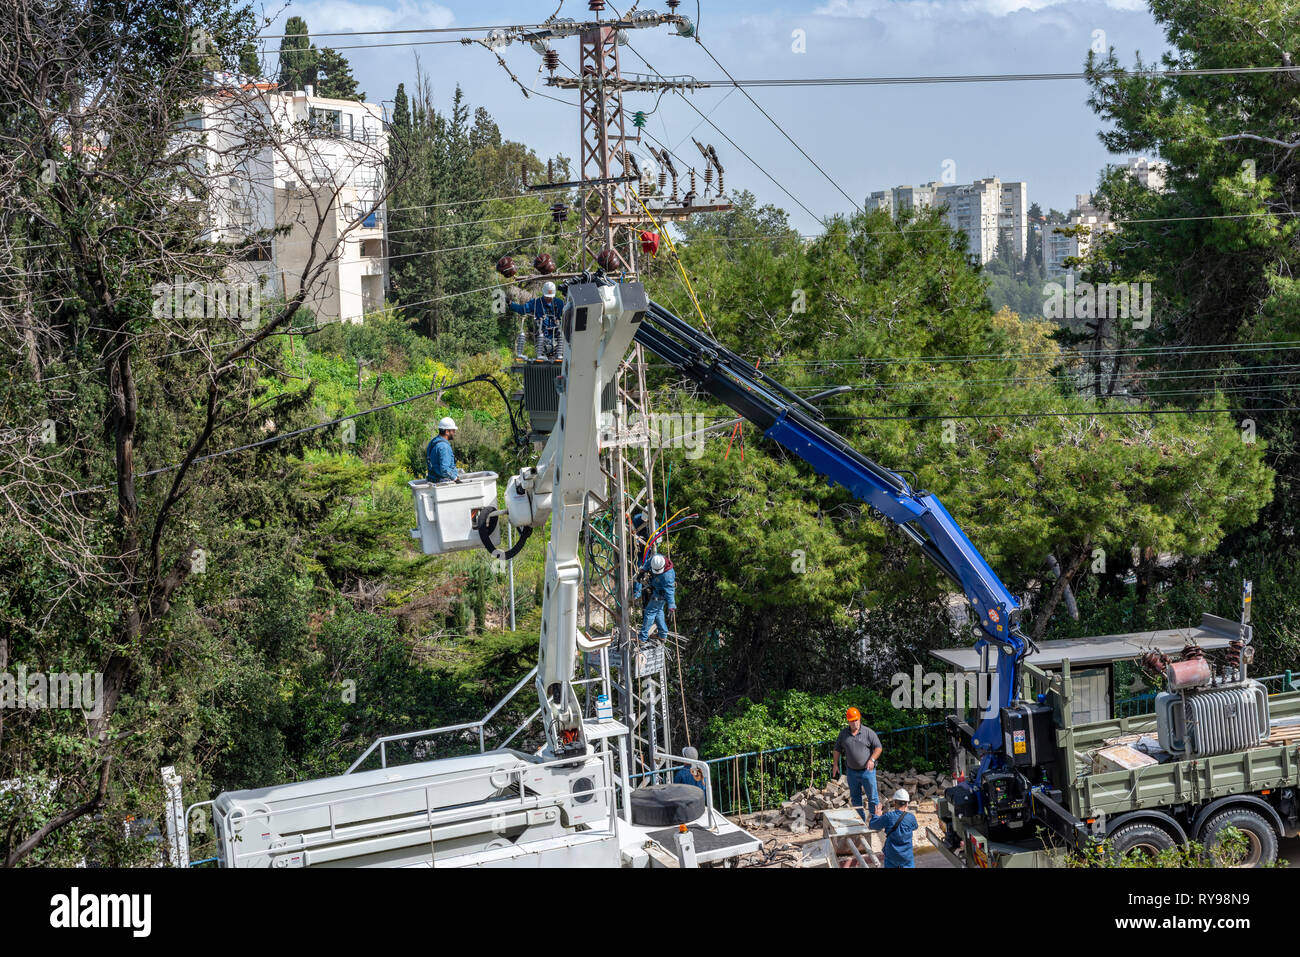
(314, 624)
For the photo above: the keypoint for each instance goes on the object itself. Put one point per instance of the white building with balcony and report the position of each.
(306, 174)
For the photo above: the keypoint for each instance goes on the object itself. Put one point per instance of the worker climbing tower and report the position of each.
(615, 543)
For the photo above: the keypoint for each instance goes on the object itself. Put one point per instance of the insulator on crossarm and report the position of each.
(692, 171)
(663, 182)
(674, 4)
(550, 171)
(708, 176)
(551, 59)
(638, 119)
(559, 212)
(595, 6)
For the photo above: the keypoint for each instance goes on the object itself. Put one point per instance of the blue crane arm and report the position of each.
(792, 422)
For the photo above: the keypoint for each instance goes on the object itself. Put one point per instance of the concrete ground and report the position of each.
(781, 847)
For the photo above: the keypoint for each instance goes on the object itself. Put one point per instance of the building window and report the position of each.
(326, 122)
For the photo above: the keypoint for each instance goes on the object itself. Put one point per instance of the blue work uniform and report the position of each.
(546, 315)
(441, 460)
(683, 776)
(663, 595)
(898, 827)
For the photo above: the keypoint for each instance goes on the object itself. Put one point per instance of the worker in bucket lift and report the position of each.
(689, 773)
(861, 749)
(545, 310)
(898, 826)
(439, 456)
(659, 582)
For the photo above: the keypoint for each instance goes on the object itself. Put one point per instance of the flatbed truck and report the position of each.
(1145, 809)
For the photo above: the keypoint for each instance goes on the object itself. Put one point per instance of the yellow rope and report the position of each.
(676, 259)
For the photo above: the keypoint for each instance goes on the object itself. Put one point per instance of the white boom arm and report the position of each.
(598, 324)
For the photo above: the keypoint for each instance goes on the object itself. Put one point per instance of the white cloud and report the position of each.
(953, 9)
(330, 16)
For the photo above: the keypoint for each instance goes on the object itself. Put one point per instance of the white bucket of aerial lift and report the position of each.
(450, 812)
(445, 512)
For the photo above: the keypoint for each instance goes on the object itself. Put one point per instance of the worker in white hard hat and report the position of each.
(659, 582)
(689, 773)
(439, 456)
(545, 310)
(898, 825)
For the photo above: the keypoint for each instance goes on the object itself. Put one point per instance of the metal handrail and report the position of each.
(703, 766)
(381, 743)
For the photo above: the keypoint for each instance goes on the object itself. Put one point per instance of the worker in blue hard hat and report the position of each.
(439, 456)
(659, 582)
(545, 311)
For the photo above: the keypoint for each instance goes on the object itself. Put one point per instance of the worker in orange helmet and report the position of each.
(861, 749)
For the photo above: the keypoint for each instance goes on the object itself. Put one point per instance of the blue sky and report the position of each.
(866, 138)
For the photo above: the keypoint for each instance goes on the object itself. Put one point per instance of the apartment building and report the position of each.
(991, 213)
(310, 167)
(1057, 247)
(1149, 174)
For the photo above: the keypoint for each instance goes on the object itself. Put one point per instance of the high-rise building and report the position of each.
(990, 212)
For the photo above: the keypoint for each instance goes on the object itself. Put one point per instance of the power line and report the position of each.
(983, 77)
(737, 146)
(387, 33)
(1043, 415)
(275, 439)
(777, 125)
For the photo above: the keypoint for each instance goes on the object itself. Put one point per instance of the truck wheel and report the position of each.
(1261, 838)
(1140, 838)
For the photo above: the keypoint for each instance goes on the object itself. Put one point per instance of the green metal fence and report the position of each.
(758, 780)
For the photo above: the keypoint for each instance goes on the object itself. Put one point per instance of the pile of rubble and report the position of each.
(804, 808)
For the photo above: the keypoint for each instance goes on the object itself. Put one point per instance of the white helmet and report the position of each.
(446, 422)
(657, 564)
(548, 290)
(902, 796)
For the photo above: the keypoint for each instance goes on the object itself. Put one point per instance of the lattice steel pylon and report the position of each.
(613, 552)
(603, 143)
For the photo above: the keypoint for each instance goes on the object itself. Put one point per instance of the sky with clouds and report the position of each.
(866, 138)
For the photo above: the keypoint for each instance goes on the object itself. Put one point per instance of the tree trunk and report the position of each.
(1044, 613)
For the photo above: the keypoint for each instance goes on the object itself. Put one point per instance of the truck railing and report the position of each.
(478, 727)
(428, 818)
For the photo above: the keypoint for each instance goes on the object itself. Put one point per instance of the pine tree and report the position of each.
(334, 76)
(436, 232)
(250, 64)
(298, 57)
(401, 110)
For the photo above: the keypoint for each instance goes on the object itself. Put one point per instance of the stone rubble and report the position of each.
(803, 810)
